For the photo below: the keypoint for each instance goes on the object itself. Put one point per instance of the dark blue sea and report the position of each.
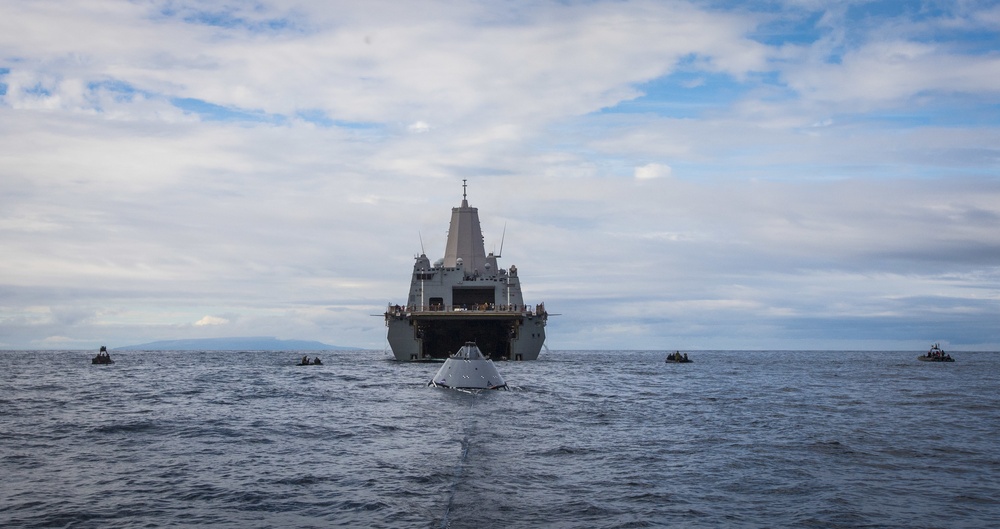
(595, 439)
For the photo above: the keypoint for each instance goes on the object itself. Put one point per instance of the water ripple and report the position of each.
(585, 439)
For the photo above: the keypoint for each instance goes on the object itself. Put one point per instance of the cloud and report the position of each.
(652, 170)
(418, 127)
(888, 73)
(279, 163)
(451, 66)
(57, 340)
(211, 320)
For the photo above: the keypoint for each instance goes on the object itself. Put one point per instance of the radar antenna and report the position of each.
(502, 235)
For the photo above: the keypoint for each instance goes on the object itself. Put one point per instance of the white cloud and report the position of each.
(211, 320)
(882, 73)
(419, 127)
(652, 170)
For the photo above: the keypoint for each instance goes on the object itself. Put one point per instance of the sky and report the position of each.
(665, 175)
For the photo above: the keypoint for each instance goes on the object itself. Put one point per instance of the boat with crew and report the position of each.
(936, 354)
(102, 358)
(465, 297)
(677, 358)
(305, 362)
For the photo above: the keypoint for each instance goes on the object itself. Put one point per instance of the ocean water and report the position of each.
(598, 439)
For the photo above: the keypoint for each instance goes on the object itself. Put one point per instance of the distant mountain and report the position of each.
(252, 343)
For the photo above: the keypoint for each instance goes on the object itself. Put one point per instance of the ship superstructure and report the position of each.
(465, 297)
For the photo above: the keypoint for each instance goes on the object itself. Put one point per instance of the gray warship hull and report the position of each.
(465, 297)
(416, 335)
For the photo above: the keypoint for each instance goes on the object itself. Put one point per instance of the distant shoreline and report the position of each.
(253, 343)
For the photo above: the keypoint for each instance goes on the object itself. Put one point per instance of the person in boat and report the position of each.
(686, 357)
(316, 362)
(305, 361)
(102, 357)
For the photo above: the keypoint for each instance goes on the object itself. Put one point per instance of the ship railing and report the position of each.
(399, 310)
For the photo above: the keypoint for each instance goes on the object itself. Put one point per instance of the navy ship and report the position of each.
(465, 297)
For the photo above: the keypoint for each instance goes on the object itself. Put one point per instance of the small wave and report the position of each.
(387, 428)
(566, 451)
(981, 500)
(434, 478)
(363, 506)
(127, 427)
(307, 479)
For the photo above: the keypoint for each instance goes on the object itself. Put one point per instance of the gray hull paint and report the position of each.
(465, 297)
(406, 331)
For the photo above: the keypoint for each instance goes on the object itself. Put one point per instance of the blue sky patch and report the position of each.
(228, 20)
(232, 18)
(321, 118)
(120, 90)
(211, 112)
(682, 95)
(316, 117)
(38, 89)
(787, 30)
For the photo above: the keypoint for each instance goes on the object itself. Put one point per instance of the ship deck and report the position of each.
(466, 315)
(461, 313)
(442, 332)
